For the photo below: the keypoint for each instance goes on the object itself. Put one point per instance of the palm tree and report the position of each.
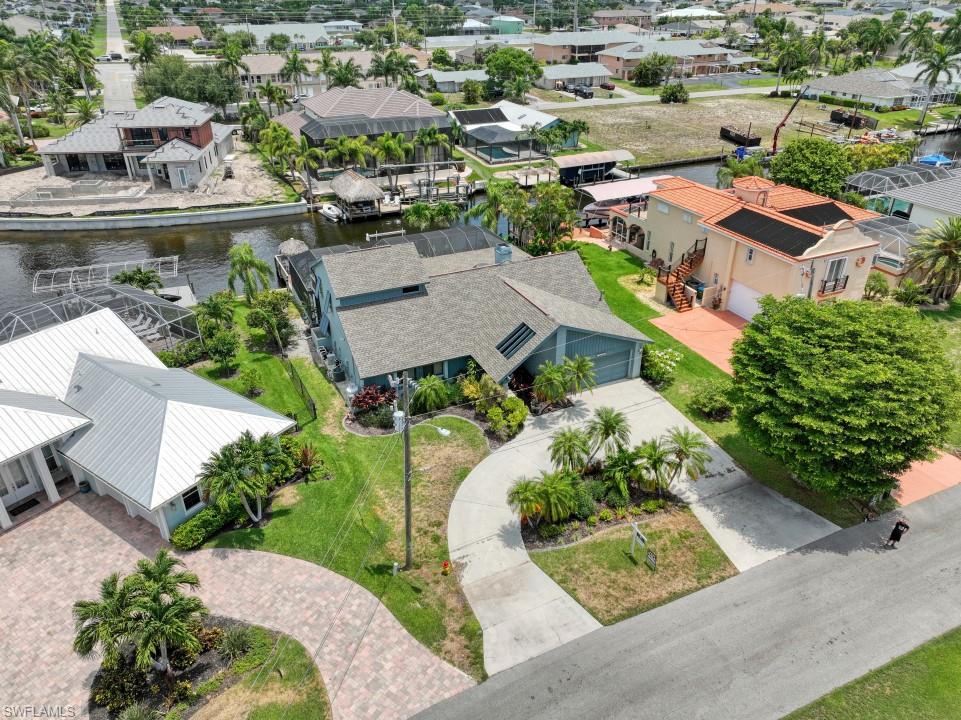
(951, 36)
(294, 69)
(165, 622)
(145, 50)
(919, 38)
(688, 452)
(525, 498)
(937, 65)
(272, 94)
(654, 459)
(517, 89)
(142, 278)
(85, 111)
(936, 258)
(345, 151)
(253, 119)
(580, 374)
(621, 470)
(391, 148)
(249, 269)
(105, 624)
(35, 63)
(816, 46)
(409, 84)
(578, 128)
(345, 74)
(325, 65)
(306, 159)
(217, 309)
(232, 61)
(609, 431)
(431, 394)
(419, 215)
(550, 385)
(557, 496)
(570, 449)
(496, 195)
(58, 100)
(77, 49)
(733, 168)
(380, 67)
(432, 140)
(400, 65)
(228, 473)
(163, 574)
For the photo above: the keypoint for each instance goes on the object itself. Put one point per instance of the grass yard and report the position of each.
(908, 119)
(98, 33)
(924, 684)
(606, 268)
(550, 95)
(704, 86)
(292, 688)
(950, 321)
(628, 85)
(359, 534)
(458, 99)
(601, 575)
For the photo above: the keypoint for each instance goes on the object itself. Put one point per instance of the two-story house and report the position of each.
(729, 248)
(691, 57)
(173, 143)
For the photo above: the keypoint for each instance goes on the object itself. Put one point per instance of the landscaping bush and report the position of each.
(549, 531)
(653, 506)
(118, 687)
(634, 510)
(876, 287)
(620, 513)
(381, 417)
(507, 418)
(584, 505)
(184, 354)
(205, 524)
(270, 312)
(674, 93)
(658, 365)
(371, 397)
(605, 515)
(138, 712)
(435, 98)
(615, 498)
(234, 643)
(711, 398)
(482, 391)
(249, 380)
(597, 488)
(592, 521)
(432, 394)
(41, 130)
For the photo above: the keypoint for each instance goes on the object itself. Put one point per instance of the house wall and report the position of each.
(925, 216)
(573, 79)
(199, 136)
(174, 516)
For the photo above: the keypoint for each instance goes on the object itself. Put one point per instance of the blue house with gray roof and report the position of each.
(431, 302)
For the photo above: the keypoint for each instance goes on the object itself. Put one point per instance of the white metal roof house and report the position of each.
(590, 74)
(85, 399)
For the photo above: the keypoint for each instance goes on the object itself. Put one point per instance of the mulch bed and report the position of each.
(461, 411)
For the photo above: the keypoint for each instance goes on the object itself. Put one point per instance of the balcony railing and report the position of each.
(834, 286)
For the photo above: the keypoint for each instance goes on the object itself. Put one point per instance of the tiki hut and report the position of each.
(357, 196)
(292, 246)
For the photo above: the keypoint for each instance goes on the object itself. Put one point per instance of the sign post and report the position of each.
(637, 538)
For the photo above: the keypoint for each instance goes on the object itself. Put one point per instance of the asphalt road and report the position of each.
(117, 77)
(756, 646)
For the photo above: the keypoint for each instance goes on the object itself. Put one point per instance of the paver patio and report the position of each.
(927, 478)
(709, 333)
(372, 667)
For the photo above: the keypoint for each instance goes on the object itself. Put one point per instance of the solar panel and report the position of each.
(823, 214)
(769, 231)
(483, 115)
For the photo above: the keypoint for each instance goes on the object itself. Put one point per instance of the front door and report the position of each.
(17, 482)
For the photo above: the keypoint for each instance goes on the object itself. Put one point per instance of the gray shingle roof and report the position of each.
(372, 270)
(167, 112)
(100, 135)
(581, 70)
(943, 195)
(175, 150)
(468, 313)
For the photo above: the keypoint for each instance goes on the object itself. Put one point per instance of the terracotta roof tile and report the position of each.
(785, 197)
(752, 183)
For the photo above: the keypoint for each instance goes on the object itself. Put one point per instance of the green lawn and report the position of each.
(601, 575)
(924, 684)
(606, 267)
(353, 524)
(628, 85)
(550, 95)
(950, 321)
(908, 119)
(704, 87)
(759, 82)
(98, 33)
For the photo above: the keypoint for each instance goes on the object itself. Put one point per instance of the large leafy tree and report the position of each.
(846, 394)
(652, 69)
(936, 258)
(508, 65)
(812, 164)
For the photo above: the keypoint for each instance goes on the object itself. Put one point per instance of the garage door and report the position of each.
(612, 366)
(743, 301)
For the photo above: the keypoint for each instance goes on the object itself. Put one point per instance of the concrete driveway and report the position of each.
(522, 611)
(709, 333)
(372, 667)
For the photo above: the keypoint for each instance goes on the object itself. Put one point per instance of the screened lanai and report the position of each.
(878, 182)
(157, 322)
(896, 236)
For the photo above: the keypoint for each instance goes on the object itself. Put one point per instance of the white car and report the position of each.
(753, 71)
(103, 58)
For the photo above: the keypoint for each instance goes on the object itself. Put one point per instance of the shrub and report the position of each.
(482, 391)
(205, 524)
(620, 513)
(380, 417)
(597, 488)
(549, 531)
(209, 637)
(591, 520)
(674, 93)
(653, 506)
(711, 398)
(184, 354)
(658, 365)
(270, 312)
(507, 418)
(605, 515)
(41, 130)
(373, 396)
(634, 510)
(615, 498)
(584, 504)
(118, 687)
(435, 98)
(249, 380)
(431, 394)
(876, 287)
(909, 293)
(234, 643)
(138, 712)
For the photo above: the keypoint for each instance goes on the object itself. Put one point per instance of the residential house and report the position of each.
(883, 88)
(590, 74)
(448, 81)
(688, 13)
(589, 167)
(502, 132)
(302, 36)
(267, 67)
(568, 47)
(507, 24)
(607, 19)
(729, 248)
(472, 26)
(431, 303)
(775, 9)
(924, 204)
(691, 57)
(173, 143)
(183, 35)
(342, 27)
(85, 402)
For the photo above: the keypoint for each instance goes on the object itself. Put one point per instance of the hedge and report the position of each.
(844, 102)
(205, 524)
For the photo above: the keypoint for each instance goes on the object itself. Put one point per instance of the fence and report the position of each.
(300, 387)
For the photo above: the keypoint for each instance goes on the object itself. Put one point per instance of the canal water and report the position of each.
(203, 248)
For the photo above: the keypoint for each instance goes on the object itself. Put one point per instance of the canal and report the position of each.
(203, 248)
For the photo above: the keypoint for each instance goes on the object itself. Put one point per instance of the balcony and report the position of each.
(836, 285)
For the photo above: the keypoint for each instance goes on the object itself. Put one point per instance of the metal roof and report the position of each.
(498, 133)
(592, 158)
(153, 428)
(621, 188)
(28, 421)
(589, 37)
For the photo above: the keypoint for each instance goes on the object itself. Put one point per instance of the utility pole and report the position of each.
(408, 520)
(576, 26)
(393, 22)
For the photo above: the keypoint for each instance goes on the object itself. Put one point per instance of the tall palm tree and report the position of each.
(249, 269)
(951, 36)
(345, 74)
(271, 94)
(570, 449)
(228, 473)
(165, 622)
(105, 624)
(496, 195)
(253, 119)
(294, 68)
(938, 65)
(919, 38)
(400, 65)
(580, 373)
(34, 63)
(816, 47)
(85, 110)
(936, 258)
(688, 453)
(434, 142)
(609, 431)
(380, 67)
(410, 85)
(77, 49)
(232, 62)
(654, 458)
(325, 65)
(305, 160)
(345, 151)
(391, 148)
(146, 50)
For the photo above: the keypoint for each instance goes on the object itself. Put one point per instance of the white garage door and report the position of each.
(743, 301)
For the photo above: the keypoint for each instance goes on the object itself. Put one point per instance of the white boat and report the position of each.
(331, 212)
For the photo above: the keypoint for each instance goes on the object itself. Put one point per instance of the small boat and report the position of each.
(937, 160)
(331, 212)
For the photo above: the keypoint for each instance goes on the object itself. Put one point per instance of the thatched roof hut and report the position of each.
(351, 187)
(291, 247)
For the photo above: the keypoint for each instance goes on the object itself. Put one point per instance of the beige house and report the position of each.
(728, 248)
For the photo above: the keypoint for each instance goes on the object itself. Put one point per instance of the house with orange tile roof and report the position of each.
(728, 248)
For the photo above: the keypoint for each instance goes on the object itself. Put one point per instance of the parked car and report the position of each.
(116, 56)
(103, 58)
(753, 71)
(583, 91)
(607, 86)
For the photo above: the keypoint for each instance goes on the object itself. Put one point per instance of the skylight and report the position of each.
(515, 340)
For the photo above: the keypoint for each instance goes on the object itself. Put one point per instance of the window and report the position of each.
(183, 177)
(188, 134)
(687, 217)
(191, 498)
(749, 256)
(835, 269)
(515, 340)
(162, 133)
(663, 207)
(49, 457)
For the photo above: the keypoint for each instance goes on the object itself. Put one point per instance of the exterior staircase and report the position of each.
(674, 276)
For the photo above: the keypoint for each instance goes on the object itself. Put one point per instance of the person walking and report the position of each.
(900, 527)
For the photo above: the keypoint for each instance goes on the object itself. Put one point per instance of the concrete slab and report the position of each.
(710, 333)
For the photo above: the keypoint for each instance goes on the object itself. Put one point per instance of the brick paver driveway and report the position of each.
(372, 667)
